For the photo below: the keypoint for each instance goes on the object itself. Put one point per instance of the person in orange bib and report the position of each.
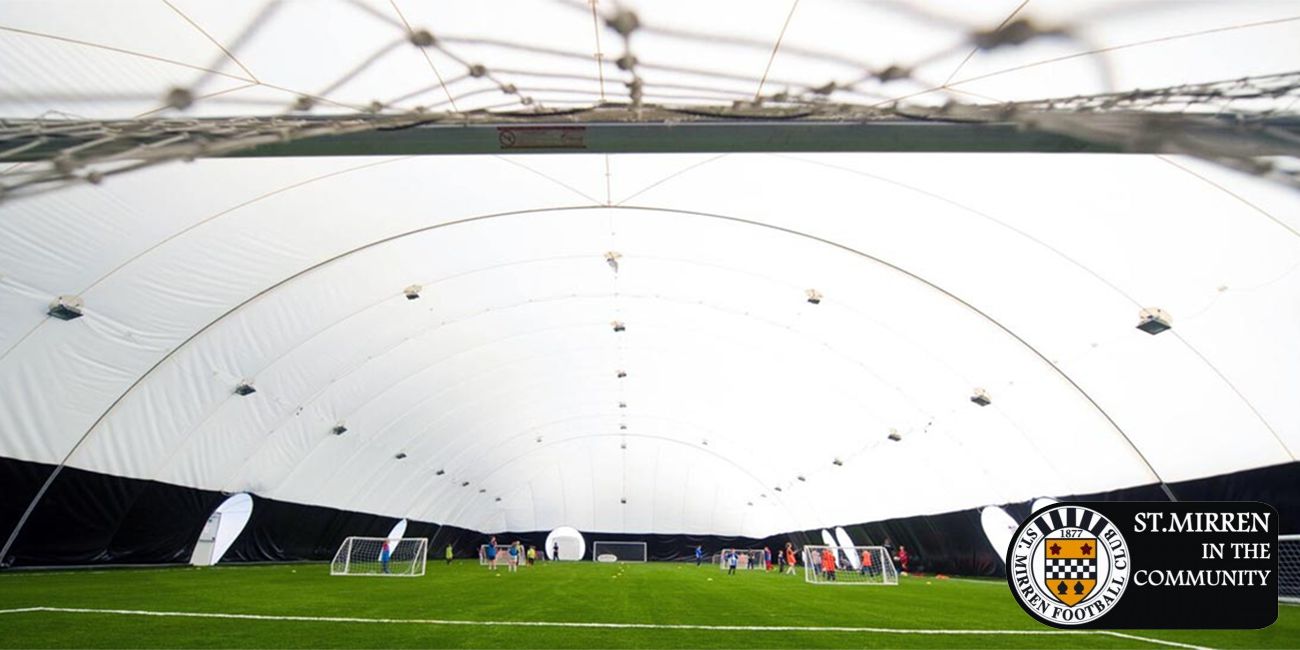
(867, 563)
(790, 562)
(828, 564)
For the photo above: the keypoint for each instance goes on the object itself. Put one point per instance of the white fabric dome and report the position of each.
(1020, 274)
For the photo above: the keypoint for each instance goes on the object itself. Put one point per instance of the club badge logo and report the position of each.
(1068, 565)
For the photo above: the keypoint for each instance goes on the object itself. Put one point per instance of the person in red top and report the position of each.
(902, 557)
(828, 564)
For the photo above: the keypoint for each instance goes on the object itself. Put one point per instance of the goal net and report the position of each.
(503, 554)
(618, 552)
(380, 556)
(848, 565)
(1288, 568)
(746, 558)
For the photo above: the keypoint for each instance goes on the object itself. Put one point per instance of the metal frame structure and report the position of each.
(967, 129)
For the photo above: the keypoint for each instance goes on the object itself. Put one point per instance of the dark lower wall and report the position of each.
(91, 518)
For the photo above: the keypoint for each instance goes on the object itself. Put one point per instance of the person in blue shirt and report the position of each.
(732, 556)
(384, 556)
(699, 555)
(513, 562)
(492, 553)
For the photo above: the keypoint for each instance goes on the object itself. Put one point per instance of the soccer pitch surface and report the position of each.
(570, 605)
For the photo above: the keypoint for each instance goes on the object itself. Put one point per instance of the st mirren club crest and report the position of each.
(1068, 565)
(1070, 568)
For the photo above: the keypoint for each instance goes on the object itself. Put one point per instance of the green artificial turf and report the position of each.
(660, 594)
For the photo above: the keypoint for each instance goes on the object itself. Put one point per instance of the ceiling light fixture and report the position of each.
(1154, 320)
(66, 308)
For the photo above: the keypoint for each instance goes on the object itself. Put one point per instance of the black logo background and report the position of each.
(1145, 606)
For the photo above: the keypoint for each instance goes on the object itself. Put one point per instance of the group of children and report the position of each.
(786, 559)
(826, 565)
(515, 553)
(866, 566)
(731, 558)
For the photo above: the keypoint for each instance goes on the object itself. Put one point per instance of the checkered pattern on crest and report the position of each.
(1076, 569)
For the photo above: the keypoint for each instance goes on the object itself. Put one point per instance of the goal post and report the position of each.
(503, 554)
(848, 565)
(380, 556)
(746, 558)
(618, 552)
(1288, 568)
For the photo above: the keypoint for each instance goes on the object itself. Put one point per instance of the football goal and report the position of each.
(1288, 568)
(503, 554)
(746, 558)
(618, 551)
(380, 556)
(848, 565)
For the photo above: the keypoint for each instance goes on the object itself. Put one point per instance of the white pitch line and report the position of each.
(1135, 637)
(975, 581)
(571, 624)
